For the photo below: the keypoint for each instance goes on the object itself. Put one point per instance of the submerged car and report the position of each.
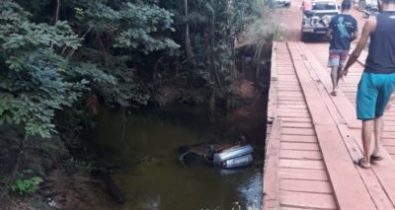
(234, 157)
(226, 156)
(316, 20)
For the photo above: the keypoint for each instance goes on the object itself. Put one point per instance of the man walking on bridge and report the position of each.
(378, 79)
(342, 31)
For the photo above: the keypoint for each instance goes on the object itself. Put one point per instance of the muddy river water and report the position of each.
(152, 178)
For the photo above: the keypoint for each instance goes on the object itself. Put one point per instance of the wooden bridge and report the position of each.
(314, 138)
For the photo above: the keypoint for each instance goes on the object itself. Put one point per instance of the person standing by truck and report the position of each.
(343, 29)
(377, 82)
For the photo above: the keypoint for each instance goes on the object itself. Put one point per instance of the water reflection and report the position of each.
(251, 191)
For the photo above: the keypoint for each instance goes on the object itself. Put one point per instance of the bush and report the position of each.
(26, 183)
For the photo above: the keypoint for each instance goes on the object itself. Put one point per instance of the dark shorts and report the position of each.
(337, 58)
(374, 93)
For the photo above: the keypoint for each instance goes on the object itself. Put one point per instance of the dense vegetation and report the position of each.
(60, 59)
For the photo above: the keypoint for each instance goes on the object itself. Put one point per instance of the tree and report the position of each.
(33, 83)
(50, 66)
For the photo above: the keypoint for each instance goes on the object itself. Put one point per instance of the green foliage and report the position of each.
(32, 86)
(132, 26)
(120, 35)
(26, 183)
(215, 27)
(123, 51)
(46, 69)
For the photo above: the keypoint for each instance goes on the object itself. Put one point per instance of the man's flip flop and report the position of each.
(375, 158)
(361, 163)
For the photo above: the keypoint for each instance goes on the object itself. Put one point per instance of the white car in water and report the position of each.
(316, 20)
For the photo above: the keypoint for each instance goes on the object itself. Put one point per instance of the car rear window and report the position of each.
(324, 6)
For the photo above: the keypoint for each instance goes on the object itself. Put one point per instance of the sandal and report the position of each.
(376, 158)
(361, 163)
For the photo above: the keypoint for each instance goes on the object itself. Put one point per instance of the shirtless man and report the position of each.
(378, 79)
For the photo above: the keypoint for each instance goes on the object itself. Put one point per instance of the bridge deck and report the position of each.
(314, 139)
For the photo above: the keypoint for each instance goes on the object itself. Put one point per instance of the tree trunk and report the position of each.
(56, 15)
(231, 36)
(18, 158)
(188, 45)
(213, 77)
(212, 44)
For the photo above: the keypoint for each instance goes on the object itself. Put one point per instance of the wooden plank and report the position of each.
(293, 138)
(272, 102)
(389, 128)
(292, 106)
(303, 174)
(273, 63)
(272, 99)
(390, 149)
(309, 200)
(270, 177)
(300, 146)
(291, 100)
(388, 142)
(344, 176)
(387, 134)
(292, 110)
(303, 155)
(296, 125)
(283, 84)
(270, 173)
(296, 119)
(285, 102)
(290, 94)
(302, 164)
(299, 131)
(305, 186)
(289, 88)
(291, 113)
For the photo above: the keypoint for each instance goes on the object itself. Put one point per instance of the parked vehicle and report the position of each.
(282, 3)
(227, 156)
(316, 21)
(367, 4)
(372, 11)
(369, 8)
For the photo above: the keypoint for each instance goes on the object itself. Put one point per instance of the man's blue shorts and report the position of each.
(374, 92)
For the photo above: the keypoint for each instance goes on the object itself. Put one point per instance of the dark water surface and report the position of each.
(152, 178)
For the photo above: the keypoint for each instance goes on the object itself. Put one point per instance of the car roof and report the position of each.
(324, 1)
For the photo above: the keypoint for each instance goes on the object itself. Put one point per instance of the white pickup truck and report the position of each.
(316, 20)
